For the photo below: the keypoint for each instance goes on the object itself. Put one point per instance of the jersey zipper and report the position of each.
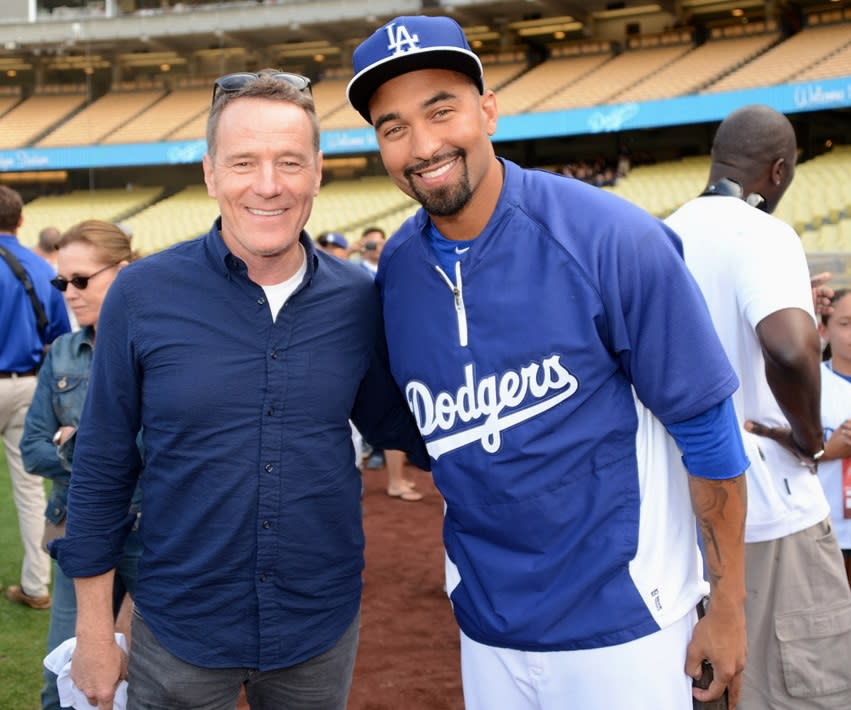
(458, 296)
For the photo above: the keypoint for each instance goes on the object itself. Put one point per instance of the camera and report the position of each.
(370, 246)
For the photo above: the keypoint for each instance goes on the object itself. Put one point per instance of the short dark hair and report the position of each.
(11, 206)
(838, 295)
(264, 87)
(369, 230)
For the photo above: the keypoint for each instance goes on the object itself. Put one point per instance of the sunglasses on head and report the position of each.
(234, 82)
(79, 282)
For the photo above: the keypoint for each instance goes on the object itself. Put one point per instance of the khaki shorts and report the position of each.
(798, 613)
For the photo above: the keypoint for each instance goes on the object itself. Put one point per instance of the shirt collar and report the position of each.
(216, 247)
(222, 257)
(85, 338)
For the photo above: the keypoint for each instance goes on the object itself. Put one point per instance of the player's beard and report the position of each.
(447, 200)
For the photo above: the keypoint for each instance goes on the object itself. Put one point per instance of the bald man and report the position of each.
(753, 273)
(46, 246)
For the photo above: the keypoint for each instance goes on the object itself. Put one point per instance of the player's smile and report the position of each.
(435, 171)
(436, 175)
(442, 187)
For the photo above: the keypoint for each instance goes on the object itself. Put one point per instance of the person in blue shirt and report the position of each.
(22, 347)
(89, 256)
(546, 335)
(334, 243)
(241, 356)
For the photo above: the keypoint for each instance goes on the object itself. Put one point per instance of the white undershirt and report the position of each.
(278, 294)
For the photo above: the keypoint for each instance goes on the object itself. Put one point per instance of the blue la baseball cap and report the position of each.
(408, 44)
(332, 239)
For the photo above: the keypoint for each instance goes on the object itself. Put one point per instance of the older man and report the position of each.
(46, 245)
(241, 356)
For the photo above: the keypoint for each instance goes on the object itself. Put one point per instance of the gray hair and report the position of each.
(265, 86)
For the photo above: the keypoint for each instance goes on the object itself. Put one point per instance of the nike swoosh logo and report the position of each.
(459, 250)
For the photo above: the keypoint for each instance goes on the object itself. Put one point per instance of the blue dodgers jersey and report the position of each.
(520, 368)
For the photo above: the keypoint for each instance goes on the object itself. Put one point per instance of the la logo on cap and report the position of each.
(399, 40)
(406, 44)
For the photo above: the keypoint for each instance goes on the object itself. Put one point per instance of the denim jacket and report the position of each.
(63, 381)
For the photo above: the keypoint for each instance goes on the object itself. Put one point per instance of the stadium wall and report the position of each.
(684, 110)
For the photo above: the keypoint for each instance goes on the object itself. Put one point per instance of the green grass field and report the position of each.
(24, 630)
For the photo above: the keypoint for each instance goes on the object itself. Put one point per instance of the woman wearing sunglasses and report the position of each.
(89, 256)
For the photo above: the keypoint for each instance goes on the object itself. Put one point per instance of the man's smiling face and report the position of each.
(264, 175)
(433, 129)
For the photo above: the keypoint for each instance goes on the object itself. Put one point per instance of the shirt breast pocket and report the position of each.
(69, 394)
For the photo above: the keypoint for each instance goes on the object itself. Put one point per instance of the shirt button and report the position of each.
(56, 511)
(263, 577)
(267, 524)
(261, 300)
(270, 411)
(274, 355)
(269, 468)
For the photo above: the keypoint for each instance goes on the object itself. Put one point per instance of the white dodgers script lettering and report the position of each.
(493, 399)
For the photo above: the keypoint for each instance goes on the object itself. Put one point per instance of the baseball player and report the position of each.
(545, 334)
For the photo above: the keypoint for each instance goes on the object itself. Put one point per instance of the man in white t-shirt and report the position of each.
(753, 273)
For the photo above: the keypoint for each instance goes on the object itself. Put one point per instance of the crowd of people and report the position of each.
(622, 416)
(600, 172)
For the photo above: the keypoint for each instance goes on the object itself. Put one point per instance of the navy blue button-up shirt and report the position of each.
(21, 346)
(253, 543)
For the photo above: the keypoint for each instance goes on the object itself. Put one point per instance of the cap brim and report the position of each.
(366, 82)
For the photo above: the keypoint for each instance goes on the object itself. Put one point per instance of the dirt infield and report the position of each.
(408, 656)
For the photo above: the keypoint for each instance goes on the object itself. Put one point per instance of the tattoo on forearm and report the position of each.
(711, 501)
